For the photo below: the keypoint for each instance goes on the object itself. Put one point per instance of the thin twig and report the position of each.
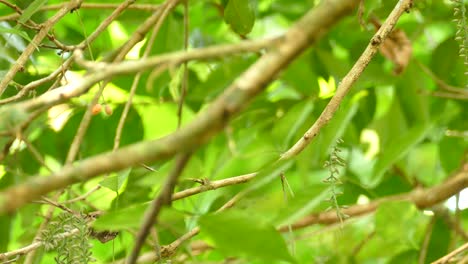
(449, 256)
(213, 185)
(362, 243)
(24, 57)
(35, 153)
(12, 6)
(448, 95)
(451, 221)
(427, 239)
(185, 65)
(443, 85)
(136, 80)
(420, 197)
(86, 120)
(164, 198)
(30, 256)
(34, 84)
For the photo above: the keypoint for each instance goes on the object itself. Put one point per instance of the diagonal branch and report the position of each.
(350, 78)
(164, 198)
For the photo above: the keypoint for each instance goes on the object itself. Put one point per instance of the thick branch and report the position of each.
(314, 24)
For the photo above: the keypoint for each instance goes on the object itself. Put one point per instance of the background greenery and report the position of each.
(398, 134)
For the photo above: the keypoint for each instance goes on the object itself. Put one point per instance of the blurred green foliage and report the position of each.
(394, 132)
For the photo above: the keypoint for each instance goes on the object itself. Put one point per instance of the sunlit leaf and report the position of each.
(114, 182)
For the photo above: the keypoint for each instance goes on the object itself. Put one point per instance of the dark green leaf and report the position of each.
(16, 32)
(237, 233)
(240, 14)
(400, 146)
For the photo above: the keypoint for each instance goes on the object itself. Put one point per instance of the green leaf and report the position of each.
(267, 175)
(219, 78)
(415, 106)
(240, 14)
(451, 150)
(303, 202)
(6, 221)
(129, 217)
(332, 131)
(291, 123)
(301, 75)
(16, 32)
(114, 182)
(161, 119)
(441, 236)
(447, 64)
(6, 224)
(423, 163)
(235, 232)
(397, 149)
(30, 10)
(400, 222)
(11, 118)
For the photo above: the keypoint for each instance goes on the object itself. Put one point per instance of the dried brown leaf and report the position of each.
(397, 48)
